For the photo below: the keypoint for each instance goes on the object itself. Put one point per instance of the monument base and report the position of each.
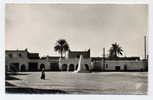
(76, 71)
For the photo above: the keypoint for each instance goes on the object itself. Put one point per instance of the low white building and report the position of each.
(120, 64)
(23, 60)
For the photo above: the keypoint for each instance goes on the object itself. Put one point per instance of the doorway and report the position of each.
(14, 67)
(23, 68)
(71, 67)
(64, 67)
(87, 67)
(117, 68)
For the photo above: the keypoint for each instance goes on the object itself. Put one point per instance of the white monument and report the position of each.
(81, 66)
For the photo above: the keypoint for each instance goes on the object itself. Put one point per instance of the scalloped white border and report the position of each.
(4, 96)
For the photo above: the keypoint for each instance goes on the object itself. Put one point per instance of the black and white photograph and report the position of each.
(73, 48)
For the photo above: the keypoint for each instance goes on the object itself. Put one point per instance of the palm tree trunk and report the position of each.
(115, 54)
(61, 51)
(61, 54)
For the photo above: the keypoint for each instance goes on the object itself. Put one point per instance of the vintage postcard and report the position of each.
(74, 48)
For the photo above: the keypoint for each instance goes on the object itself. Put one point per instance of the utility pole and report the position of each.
(145, 54)
(145, 48)
(103, 59)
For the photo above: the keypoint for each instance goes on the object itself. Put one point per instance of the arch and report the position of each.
(76, 67)
(117, 68)
(64, 67)
(71, 67)
(42, 66)
(14, 67)
(87, 67)
(23, 68)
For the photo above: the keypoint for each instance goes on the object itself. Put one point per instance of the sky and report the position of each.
(95, 26)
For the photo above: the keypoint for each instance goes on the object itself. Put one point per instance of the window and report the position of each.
(78, 56)
(106, 65)
(20, 55)
(10, 55)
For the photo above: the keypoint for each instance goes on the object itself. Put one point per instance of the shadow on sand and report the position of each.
(8, 77)
(12, 89)
(34, 91)
(15, 73)
(9, 84)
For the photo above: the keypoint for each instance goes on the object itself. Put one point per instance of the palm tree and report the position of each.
(115, 51)
(61, 46)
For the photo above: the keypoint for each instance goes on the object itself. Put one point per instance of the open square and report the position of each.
(83, 83)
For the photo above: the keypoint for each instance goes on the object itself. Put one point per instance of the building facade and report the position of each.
(23, 60)
(120, 64)
(70, 62)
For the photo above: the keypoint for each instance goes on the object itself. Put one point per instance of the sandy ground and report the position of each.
(85, 83)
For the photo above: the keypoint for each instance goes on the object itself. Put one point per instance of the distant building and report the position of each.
(23, 60)
(119, 64)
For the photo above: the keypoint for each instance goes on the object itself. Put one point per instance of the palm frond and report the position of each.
(115, 50)
(61, 46)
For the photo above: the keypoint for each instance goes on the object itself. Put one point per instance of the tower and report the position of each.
(145, 55)
(103, 60)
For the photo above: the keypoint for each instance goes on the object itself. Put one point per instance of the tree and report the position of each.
(61, 46)
(115, 51)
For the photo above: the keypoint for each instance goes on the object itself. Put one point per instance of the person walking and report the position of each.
(43, 74)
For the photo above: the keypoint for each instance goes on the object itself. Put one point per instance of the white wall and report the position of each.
(131, 65)
(109, 64)
(74, 61)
